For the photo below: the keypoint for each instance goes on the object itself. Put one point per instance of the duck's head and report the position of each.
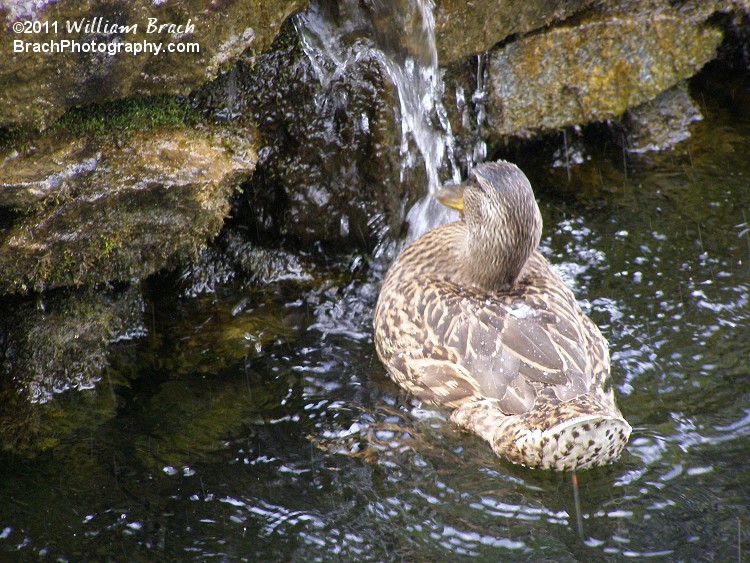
(503, 223)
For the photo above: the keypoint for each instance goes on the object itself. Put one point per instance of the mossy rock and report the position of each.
(593, 70)
(196, 40)
(464, 29)
(89, 210)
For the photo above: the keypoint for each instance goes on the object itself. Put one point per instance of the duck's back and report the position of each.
(448, 343)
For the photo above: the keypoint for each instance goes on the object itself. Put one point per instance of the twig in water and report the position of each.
(739, 540)
(567, 156)
(577, 504)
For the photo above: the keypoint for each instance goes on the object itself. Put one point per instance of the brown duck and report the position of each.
(472, 317)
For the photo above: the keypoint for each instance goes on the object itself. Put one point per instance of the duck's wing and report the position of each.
(411, 341)
(515, 346)
(539, 341)
(460, 344)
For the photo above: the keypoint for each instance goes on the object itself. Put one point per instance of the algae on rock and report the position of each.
(52, 343)
(592, 71)
(36, 87)
(463, 29)
(59, 340)
(88, 210)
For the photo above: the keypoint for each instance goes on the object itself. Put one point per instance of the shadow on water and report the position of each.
(256, 422)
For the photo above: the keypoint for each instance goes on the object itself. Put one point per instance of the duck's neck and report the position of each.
(495, 257)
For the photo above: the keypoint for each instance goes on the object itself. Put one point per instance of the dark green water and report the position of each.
(257, 424)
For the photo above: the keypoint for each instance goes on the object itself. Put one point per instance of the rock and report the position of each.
(59, 341)
(331, 167)
(592, 71)
(88, 210)
(71, 339)
(662, 122)
(232, 256)
(47, 172)
(37, 87)
(463, 29)
(465, 101)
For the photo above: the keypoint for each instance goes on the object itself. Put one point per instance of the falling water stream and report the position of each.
(400, 34)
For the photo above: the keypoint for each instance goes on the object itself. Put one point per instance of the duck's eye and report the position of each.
(478, 187)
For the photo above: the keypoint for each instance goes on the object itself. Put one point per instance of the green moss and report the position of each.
(108, 245)
(130, 114)
(287, 38)
(9, 136)
(112, 118)
(18, 138)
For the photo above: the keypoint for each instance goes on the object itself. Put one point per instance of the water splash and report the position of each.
(400, 35)
(230, 110)
(479, 98)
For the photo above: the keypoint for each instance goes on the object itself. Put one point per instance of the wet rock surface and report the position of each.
(592, 71)
(59, 341)
(662, 122)
(83, 211)
(464, 29)
(330, 166)
(36, 87)
(235, 258)
(56, 342)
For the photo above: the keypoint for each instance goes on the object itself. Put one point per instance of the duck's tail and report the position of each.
(578, 434)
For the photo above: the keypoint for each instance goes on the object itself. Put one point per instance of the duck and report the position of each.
(471, 317)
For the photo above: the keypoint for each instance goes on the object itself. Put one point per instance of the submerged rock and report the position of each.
(662, 122)
(592, 70)
(59, 341)
(89, 210)
(52, 343)
(195, 41)
(234, 257)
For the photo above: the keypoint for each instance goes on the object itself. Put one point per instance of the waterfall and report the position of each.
(401, 35)
(479, 98)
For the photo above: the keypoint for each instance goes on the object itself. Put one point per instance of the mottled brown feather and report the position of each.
(472, 317)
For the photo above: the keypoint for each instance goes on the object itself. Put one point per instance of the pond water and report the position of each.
(256, 423)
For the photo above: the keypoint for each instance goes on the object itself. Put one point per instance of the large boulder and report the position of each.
(463, 29)
(85, 210)
(592, 70)
(41, 75)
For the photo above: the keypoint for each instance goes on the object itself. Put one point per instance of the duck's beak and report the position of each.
(452, 196)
